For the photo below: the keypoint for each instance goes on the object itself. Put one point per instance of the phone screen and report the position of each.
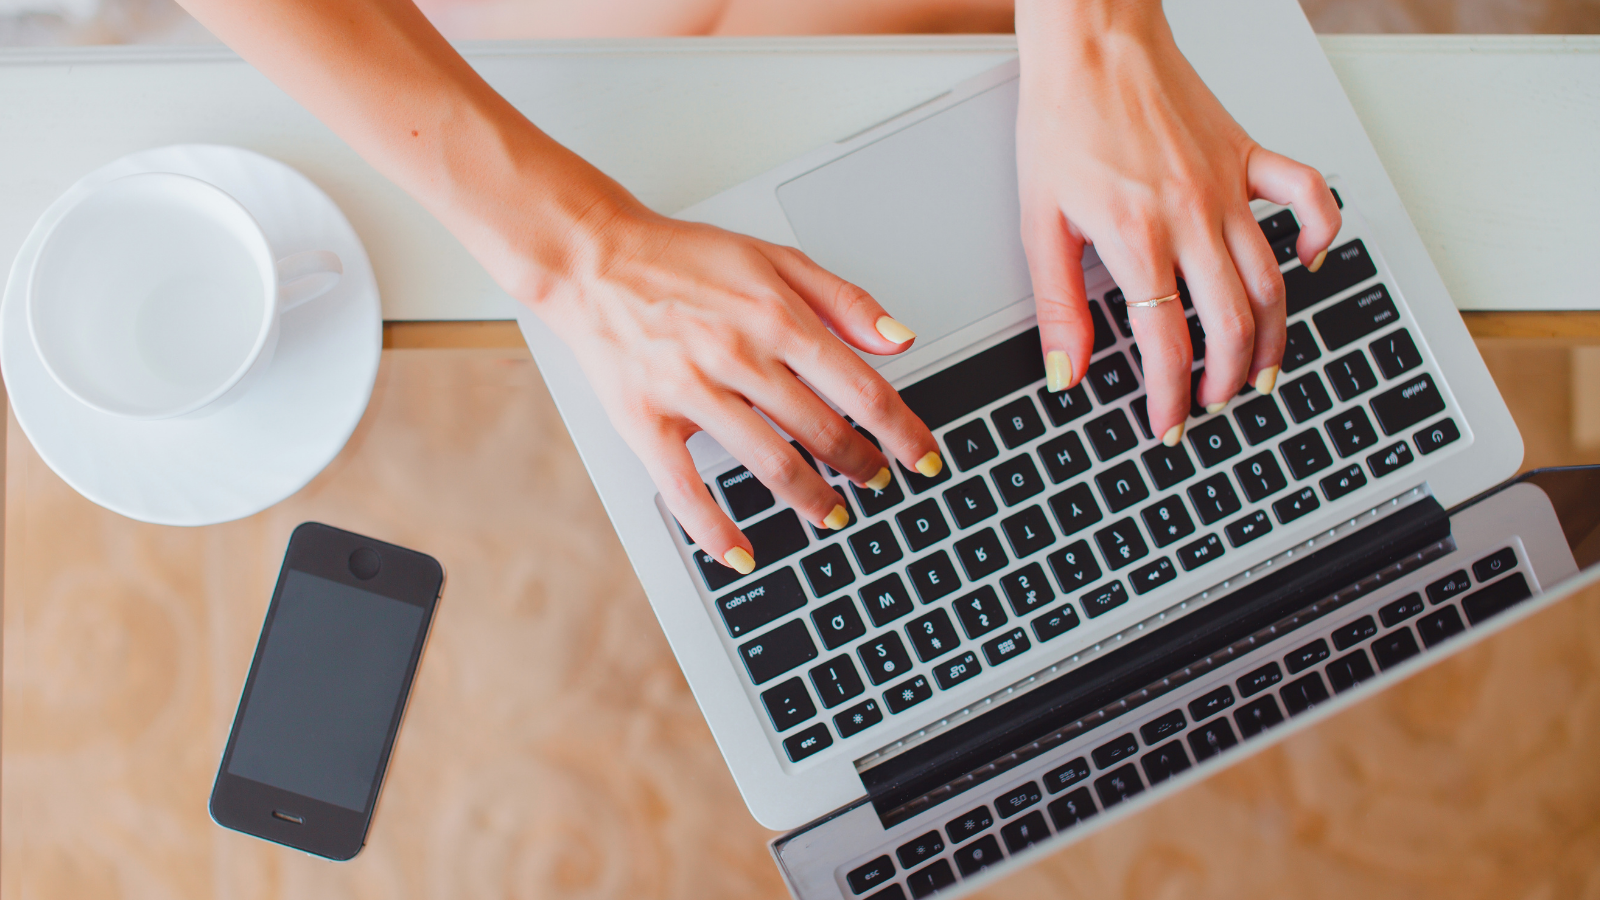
(331, 675)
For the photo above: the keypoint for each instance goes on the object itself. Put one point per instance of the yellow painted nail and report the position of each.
(839, 518)
(880, 480)
(739, 561)
(1057, 370)
(930, 464)
(1267, 378)
(1215, 408)
(893, 331)
(1316, 261)
(1173, 435)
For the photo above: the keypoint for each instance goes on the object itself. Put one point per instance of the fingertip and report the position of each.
(930, 465)
(894, 331)
(739, 560)
(1058, 370)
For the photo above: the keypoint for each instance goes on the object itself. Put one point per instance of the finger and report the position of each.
(1272, 176)
(847, 309)
(672, 468)
(861, 392)
(1257, 268)
(1055, 262)
(1164, 346)
(773, 460)
(800, 412)
(1226, 315)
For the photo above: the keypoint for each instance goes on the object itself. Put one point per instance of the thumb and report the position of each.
(1066, 332)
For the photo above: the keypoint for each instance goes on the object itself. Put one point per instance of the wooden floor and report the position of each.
(553, 749)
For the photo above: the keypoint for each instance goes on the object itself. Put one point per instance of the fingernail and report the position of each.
(1316, 261)
(739, 561)
(1057, 370)
(1215, 408)
(930, 464)
(893, 331)
(1267, 378)
(1173, 435)
(880, 480)
(839, 518)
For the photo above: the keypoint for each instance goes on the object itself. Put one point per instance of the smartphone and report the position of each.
(326, 692)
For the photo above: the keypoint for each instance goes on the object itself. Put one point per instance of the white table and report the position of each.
(1490, 140)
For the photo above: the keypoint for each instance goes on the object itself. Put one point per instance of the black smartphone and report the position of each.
(327, 689)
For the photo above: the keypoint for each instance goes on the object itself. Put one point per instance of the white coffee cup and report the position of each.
(158, 296)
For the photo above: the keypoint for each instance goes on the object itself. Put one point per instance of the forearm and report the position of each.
(380, 75)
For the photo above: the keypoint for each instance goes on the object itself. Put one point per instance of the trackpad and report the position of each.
(926, 219)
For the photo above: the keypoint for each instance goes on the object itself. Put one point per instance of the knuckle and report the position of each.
(833, 439)
(874, 398)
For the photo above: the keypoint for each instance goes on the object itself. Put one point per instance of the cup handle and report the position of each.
(306, 276)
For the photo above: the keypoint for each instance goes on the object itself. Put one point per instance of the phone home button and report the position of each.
(365, 563)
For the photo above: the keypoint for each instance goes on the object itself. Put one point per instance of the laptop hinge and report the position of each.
(893, 784)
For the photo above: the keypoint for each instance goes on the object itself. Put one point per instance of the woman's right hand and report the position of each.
(683, 327)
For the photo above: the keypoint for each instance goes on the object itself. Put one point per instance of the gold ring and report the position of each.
(1152, 304)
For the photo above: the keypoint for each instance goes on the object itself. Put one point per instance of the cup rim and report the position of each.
(264, 255)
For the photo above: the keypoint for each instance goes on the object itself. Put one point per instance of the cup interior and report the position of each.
(152, 296)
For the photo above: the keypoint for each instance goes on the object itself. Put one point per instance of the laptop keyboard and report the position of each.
(1190, 727)
(1059, 509)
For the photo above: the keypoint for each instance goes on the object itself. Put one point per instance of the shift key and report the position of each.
(1407, 404)
(1345, 266)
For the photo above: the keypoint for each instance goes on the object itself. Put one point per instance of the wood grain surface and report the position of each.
(552, 748)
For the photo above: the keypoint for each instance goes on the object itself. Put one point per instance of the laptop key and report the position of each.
(1496, 598)
(1354, 318)
(1024, 832)
(716, 574)
(1257, 716)
(1064, 457)
(871, 875)
(971, 445)
(1302, 658)
(980, 612)
(1342, 482)
(1436, 435)
(802, 744)
(788, 704)
(1303, 693)
(907, 694)
(1347, 636)
(1305, 398)
(1438, 625)
(1028, 532)
(970, 502)
(1300, 349)
(1071, 809)
(1015, 801)
(827, 570)
(836, 681)
(1121, 544)
(779, 650)
(932, 635)
(1121, 486)
(1344, 267)
(1164, 762)
(1244, 530)
(934, 576)
(746, 495)
(1138, 408)
(936, 876)
(1305, 453)
(886, 600)
(1195, 554)
(1017, 422)
(1065, 406)
(1167, 520)
(1062, 777)
(1157, 730)
(1351, 431)
(1147, 578)
(1259, 419)
(1393, 614)
(952, 672)
(874, 502)
(1017, 479)
(1211, 738)
(1453, 585)
(892, 892)
(955, 391)
(1118, 785)
(1260, 476)
(1211, 703)
(1075, 508)
(1350, 670)
(1388, 459)
(838, 623)
(1103, 599)
(919, 850)
(1495, 564)
(1055, 623)
(1027, 588)
(1394, 648)
(875, 547)
(978, 855)
(1167, 465)
(765, 600)
(884, 657)
(1111, 378)
(1407, 404)
(1110, 435)
(980, 554)
(1295, 505)
(922, 524)
(1395, 353)
(1258, 680)
(1118, 306)
(1213, 441)
(969, 825)
(1214, 499)
(1279, 227)
(858, 718)
(1006, 646)
(920, 483)
(1109, 754)
(1350, 375)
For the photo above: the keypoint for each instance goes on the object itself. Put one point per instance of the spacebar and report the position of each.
(977, 381)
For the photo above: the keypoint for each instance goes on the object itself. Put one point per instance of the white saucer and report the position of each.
(275, 438)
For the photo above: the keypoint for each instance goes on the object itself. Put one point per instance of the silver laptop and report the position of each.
(1071, 618)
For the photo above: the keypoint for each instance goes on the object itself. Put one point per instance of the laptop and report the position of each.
(1071, 619)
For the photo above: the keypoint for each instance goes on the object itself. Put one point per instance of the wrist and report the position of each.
(1051, 33)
